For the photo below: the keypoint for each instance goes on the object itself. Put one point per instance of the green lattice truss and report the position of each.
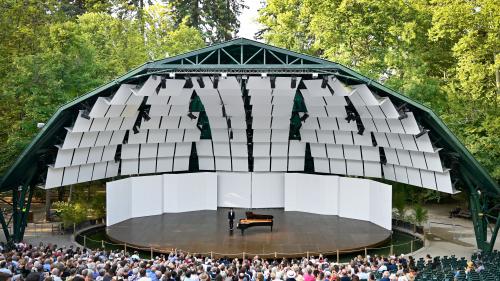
(239, 57)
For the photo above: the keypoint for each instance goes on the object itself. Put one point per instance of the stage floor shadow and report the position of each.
(294, 233)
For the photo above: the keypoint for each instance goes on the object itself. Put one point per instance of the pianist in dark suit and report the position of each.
(230, 217)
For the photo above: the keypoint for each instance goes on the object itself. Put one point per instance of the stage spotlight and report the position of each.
(85, 115)
(402, 116)
(304, 117)
(422, 132)
(351, 116)
(324, 82)
(146, 116)
(273, 82)
(216, 82)
(294, 82)
(163, 82)
(231, 135)
(135, 129)
(189, 82)
(191, 115)
(361, 130)
(201, 82)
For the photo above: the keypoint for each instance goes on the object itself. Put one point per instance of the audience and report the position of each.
(50, 263)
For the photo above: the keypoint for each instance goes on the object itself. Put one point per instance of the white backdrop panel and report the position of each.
(187, 192)
(118, 201)
(381, 204)
(354, 198)
(147, 196)
(302, 189)
(234, 190)
(268, 190)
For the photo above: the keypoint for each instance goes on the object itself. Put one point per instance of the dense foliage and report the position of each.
(53, 51)
(442, 53)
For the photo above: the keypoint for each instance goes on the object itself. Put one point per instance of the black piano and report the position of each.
(254, 220)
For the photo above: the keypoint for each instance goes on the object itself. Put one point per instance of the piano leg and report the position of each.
(242, 231)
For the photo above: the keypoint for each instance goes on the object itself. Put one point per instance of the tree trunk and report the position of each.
(47, 204)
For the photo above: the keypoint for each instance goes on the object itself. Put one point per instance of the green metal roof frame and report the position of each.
(278, 60)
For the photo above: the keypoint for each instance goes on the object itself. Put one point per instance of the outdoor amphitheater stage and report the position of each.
(293, 234)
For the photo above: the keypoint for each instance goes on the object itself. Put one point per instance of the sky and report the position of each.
(248, 19)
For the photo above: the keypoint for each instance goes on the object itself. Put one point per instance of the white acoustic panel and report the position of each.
(185, 193)
(95, 154)
(314, 88)
(240, 164)
(354, 168)
(443, 182)
(239, 149)
(396, 126)
(428, 179)
(295, 164)
(339, 89)
(389, 172)
(372, 169)
(381, 139)
(140, 137)
(350, 188)
(234, 190)
(418, 160)
(424, 143)
(64, 158)
(111, 169)
(174, 135)
(142, 202)
(364, 139)
(414, 176)
(70, 175)
(103, 138)
(117, 137)
(318, 150)
(321, 165)
(54, 177)
(149, 87)
(338, 166)
(109, 153)
(335, 151)
(89, 139)
(99, 170)
(173, 87)
(153, 123)
(279, 164)
(410, 124)
(279, 149)
(279, 135)
(262, 164)
(370, 153)
(408, 142)
(164, 164)
(223, 163)
(157, 136)
(381, 125)
(100, 108)
(345, 125)
(80, 156)
(147, 166)
(342, 137)
(401, 174)
(352, 152)
(181, 164)
(394, 140)
(118, 201)
(99, 124)
(129, 167)
(148, 150)
(183, 149)
(325, 136)
(221, 149)
(206, 163)
(308, 136)
(130, 151)
(262, 136)
(433, 161)
(268, 190)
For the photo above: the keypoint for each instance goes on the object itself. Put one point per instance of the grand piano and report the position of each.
(254, 220)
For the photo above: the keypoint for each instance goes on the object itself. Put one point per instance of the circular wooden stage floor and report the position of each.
(294, 233)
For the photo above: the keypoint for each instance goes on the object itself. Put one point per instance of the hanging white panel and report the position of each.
(335, 151)
(282, 110)
(278, 164)
(262, 110)
(170, 122)
(338, 166)
(408, 142)
(376, 112)
(389, 172)
(344, 125)
(401, 175)
(262, 164)
(317, 111)
(221, 149)
(95, 154)
(206, 163)
(109, 153)
(130, 110)
(261, 149)
(148, 150)
(218, 122)
(296, 149)
(85, 173)
(295, 164)
(388, 108)
(81, 124)
(372, 169)
(80, 156)
(114, 124)
(279, 135)
(342, 137)
(164, 164)
(363, 111)
(129, 167)
(314, 87)
(70, 175)
(183, 149)
(424, 143)
(54, 177)
(174, 135)
(161, 100)
(140, 137)
(157, 136)
(428, 179)
(364, 139)
(258, 82)
(220, 135)
(369, 124)
(354, 168)
(261, 122)
(433, 161)
(391, 156)
(339, 89)
(117, 137)
(394, 140)
(122, 94)
(325, 136)
(395, 126)
(381, 139)
(115, 111)
(240, 164)
(204, 148)
(336, 111)
(147, 166)
(128, 123)
(310, 100)
(130, 151)
(318, 150)
(308, 136)
(149, 87)
(181, 99)
(159, 110)
(381, 125)
(337, 101)
(414, 176)
(310, 123)
(99, 171)
(89, 139)
(365, 94)
(153, 123)
(352, 152)
(279, 149)
(286, 82)
(100, 108)
(64, 158)
(321, 165)
(103, 138)
(328, 123)
(239, 149)
(261, 136)
(280, 123)
(404, 158)
(223, 163)
(418, 160)
(238, 122)
(112, 169)
(179, 110)
(410, 124)
(443, 182)
(370, 153)
(181, 164)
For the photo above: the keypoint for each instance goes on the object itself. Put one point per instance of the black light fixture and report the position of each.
(189, 83)
(85, 115)
(402, 116)
(231, 134)
(191, 115)
(383, 160)
(273, 81)
(216, 82)
(200, 81)
(294, 82)
(304, 117)
(351, 116)
(324, 82)
(229, 123)
(422, 132)
(200, 127)
(146, 116)
(361, 130)
(135, 129)
(163, 82)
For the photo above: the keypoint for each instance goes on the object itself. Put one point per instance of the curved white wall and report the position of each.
(354, 198)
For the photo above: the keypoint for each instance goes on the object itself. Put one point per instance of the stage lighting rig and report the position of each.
(273, 82)
(216, 82)
(191, 116)
(304, 117)
(294, 82)
(200, 81)
(422, 132)
(324, 82)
